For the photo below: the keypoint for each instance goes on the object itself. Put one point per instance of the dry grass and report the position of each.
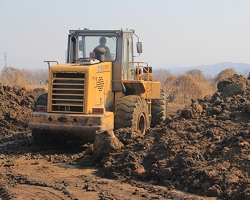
(31, 87)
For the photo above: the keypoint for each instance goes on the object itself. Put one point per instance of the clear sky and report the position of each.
(173, 32)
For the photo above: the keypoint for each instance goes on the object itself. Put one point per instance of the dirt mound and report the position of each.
(203, 150)
(16, 103)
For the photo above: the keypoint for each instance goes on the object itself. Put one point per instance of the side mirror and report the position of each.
(139, 47)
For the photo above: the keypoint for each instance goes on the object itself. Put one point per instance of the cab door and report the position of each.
(127, 69)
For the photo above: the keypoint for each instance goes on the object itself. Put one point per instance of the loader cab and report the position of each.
(119, 49)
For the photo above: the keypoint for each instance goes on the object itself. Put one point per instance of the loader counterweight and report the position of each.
(73, 126)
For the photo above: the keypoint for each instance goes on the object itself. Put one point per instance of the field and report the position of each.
(201, 151)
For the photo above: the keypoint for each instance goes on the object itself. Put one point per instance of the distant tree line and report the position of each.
(190, 85)
(23, 77)
(180, 88)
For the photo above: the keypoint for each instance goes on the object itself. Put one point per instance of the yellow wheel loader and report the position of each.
(99, 88)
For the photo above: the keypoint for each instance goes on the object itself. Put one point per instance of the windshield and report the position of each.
(87, 45)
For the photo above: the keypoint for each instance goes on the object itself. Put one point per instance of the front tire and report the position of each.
(132, 111)
(41, 100)
(40, 137)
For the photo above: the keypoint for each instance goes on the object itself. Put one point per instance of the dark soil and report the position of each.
(16, 103)
(203, 149)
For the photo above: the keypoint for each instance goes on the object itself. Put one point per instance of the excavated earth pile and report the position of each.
(203, 149)
(16, 103)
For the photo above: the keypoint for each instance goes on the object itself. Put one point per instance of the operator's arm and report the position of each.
(108, 56)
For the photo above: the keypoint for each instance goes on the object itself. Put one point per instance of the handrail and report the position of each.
(49, 61)
(142, 73)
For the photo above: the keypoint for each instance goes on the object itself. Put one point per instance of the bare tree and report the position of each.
(224, 74)
(197, 74)
(12, 76)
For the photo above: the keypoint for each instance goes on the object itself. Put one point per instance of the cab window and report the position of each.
(87, 44)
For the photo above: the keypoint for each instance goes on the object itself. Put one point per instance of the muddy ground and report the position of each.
(199, 152)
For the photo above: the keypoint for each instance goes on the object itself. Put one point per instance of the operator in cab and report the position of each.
(102, 44)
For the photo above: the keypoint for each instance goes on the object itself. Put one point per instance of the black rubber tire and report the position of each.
(158, 110)
(41, 100)
(132, 111)
(40, 137)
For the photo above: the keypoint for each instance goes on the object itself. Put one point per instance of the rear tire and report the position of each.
(132, 111)
(159, 110)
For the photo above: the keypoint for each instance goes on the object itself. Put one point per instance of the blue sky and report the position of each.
(173, 32)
